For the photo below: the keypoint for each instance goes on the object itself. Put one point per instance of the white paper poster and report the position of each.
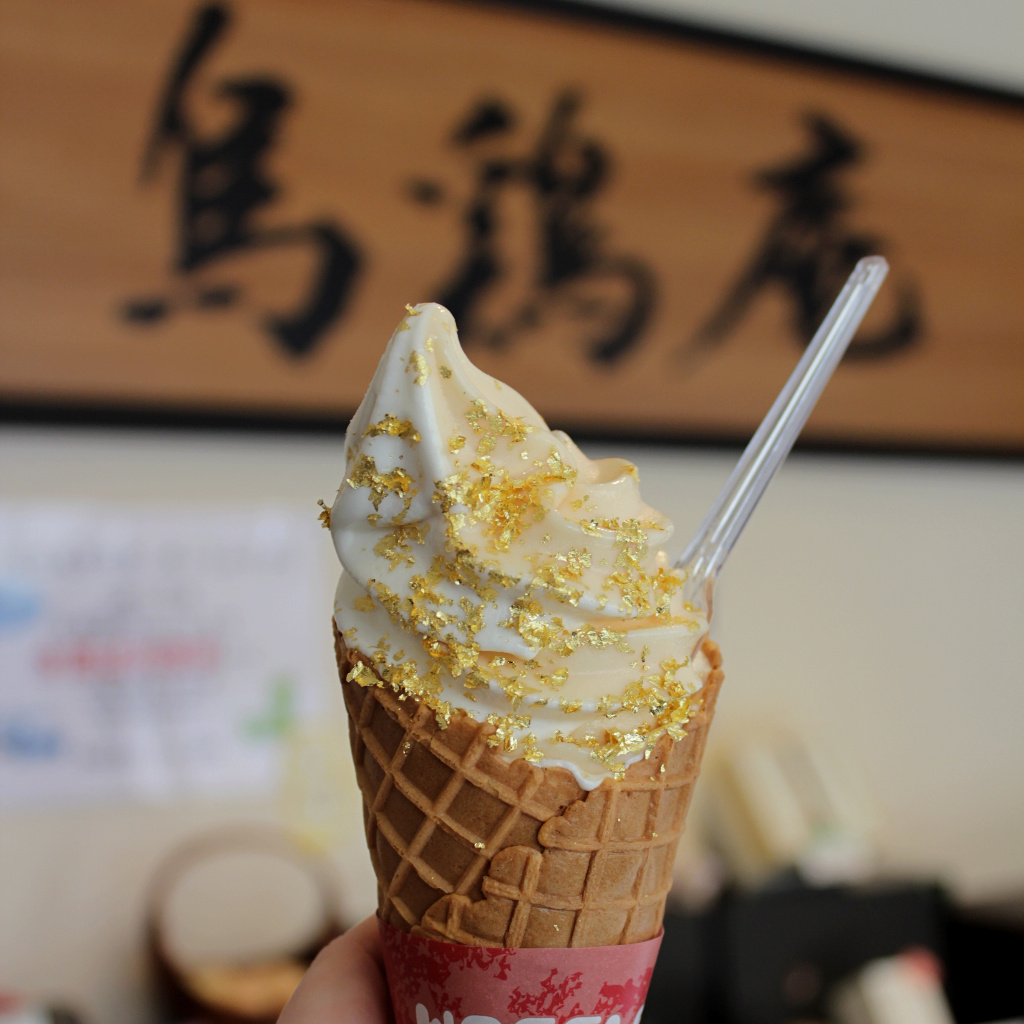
(153, 652)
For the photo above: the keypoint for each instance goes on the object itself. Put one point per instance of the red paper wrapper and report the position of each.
(443, 983)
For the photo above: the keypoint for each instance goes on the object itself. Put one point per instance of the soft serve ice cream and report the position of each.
(491, 569)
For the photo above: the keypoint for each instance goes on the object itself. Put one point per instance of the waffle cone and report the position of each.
(473, 848)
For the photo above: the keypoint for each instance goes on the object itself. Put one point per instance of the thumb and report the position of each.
(344, 984)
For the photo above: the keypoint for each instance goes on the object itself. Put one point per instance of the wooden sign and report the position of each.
(223, 209)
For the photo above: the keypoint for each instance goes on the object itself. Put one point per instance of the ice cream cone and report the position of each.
(474, 847)
(529, 694)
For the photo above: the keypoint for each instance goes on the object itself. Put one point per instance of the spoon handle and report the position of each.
(767, 449)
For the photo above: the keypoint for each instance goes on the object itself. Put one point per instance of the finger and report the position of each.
(344, 984)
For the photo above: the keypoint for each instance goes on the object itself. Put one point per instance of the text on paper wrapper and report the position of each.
(423, 1017)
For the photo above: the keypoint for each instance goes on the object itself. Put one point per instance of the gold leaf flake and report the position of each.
(533, 755)
(419, 364)
(325, 514)
(577, 560)
(396, 545)
(556, 679)
(397, 481)
(505, 728)
(362, 675)
(493, 426)
(393, 427)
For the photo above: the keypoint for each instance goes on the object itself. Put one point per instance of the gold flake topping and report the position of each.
(362, 675)
(396, 545)
(405, 325)
(394, 427)
(505, 728)
(325, 514)
(486, 509)
(419, 364)
(398, 482)
(490, 427)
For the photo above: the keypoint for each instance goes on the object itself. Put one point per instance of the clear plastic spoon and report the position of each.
(768, 448)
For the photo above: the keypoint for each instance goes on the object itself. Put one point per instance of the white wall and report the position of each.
(876, 605)
(875, 602)
(977, 42)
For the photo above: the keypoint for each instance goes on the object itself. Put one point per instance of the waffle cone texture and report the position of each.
(473, 848)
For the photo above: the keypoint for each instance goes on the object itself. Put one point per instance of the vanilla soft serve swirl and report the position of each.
(491, 568)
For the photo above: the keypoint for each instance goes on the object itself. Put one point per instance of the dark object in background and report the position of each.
(682, 981)
(60, 1015)
(771, 956)
(14, 1009)
(985, 962)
